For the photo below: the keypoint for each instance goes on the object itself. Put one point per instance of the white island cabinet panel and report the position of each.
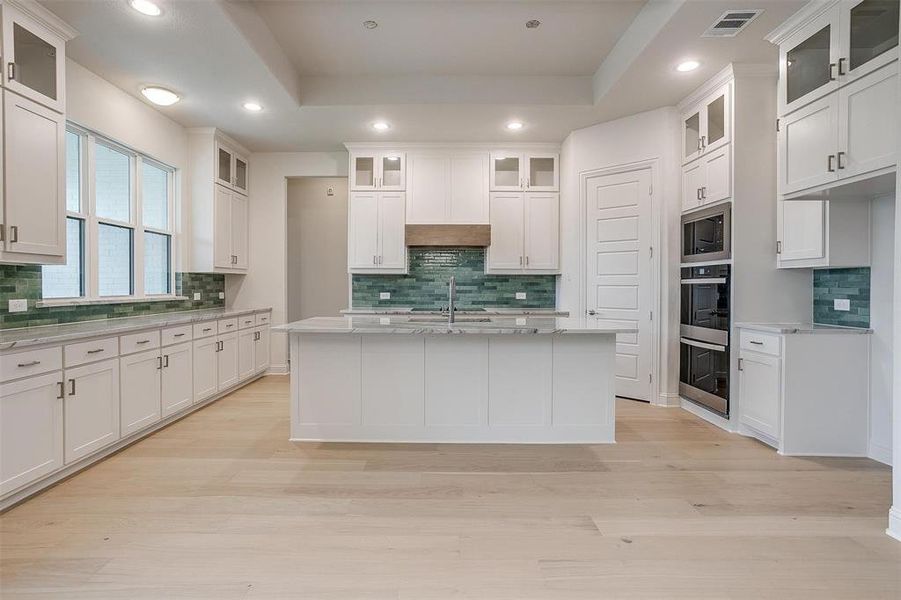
(456, 387)
(577, 399)
(393, 372)
(91, 408)
(519, 381)
(335, 361)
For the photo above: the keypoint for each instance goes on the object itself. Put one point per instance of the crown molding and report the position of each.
(805, 15)
(720, 79)
(44, 17)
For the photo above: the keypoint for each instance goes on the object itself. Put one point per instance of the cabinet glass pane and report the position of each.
(364, 171)
(240, 173)
(692, 134)
(35, 62)
(391, 171)
(225, 166)
(112, 183)
(156, 263)
(155, 196)
(807, 65)
(506, 171)
(114, 250)
(716, 120)
(67, 281)
(541, 171)
(73, 172)
(874, 30)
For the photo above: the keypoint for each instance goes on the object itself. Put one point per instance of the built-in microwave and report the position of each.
(707, 234)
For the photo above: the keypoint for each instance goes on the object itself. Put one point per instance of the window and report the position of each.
(119, 223)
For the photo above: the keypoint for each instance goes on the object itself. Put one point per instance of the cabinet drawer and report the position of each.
(228, 325)
(176, 335)
(756, 341)
(246, 321)
(202, 330)
(85, 352)
(30, 362)
(136, 342)
(264, 318)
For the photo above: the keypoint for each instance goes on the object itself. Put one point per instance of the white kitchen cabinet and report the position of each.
(91, 412)
(376, 236)
(447, 187)
(378, 170)
(807, 142)
(708, 179)
(206, 374)
(524, 233)
(541, 224)
(524, 171)
(239, 233)
(692, 181)
(759, 389)
(808, 60)
(31, 430)
(707, 125)
(262, 352)
(246, 357)
(230, 231)
(227, 361)
(34, 56)
(822, 233)
(140, 391)
(507, 234)
(177, 387)
(231, 167)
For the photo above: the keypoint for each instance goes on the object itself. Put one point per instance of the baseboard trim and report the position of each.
(879, 453)
(668, 400)
(278, 370)
(894, 523)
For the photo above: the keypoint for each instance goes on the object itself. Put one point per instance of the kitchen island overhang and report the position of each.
(501, 380)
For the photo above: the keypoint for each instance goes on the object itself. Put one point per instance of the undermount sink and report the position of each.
(457, 319)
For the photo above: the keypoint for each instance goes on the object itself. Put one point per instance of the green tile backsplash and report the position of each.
(853, 284)
(17, 282)
(425, 286)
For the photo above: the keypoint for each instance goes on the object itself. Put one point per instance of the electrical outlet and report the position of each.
(520, 295)
(384, 295)
(330, 191)
(841, 304)
(18, 305)
(384, 320)
(520, 321)
(197, 295)
(222, 295)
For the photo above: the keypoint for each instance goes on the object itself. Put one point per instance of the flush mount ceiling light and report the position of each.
(514, 125)
(253, 106)
(688, 65)
(146, 7)
(381, 126)
(370, 24)
(533, 24)
(160, 95)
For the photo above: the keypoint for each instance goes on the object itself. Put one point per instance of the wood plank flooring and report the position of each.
(220, 505)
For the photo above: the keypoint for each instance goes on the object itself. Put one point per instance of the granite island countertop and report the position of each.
(803, 328)
(465, 324)
(490, 311)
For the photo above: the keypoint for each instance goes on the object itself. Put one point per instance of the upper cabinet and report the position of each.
(378, 171)
(375, 240)
(231, 167)
(706, 125)
(525, 233)
(514, 171)
(449, 186)
(822, 233)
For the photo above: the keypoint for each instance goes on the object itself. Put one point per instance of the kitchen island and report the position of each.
(491, 379)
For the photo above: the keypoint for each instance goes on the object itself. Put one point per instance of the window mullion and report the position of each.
(93, 259)
(138, 235)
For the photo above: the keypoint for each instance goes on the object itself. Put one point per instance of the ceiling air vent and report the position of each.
(731, 22)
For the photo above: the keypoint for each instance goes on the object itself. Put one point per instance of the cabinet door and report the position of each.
(225, 160)
(239, 231)
(33, 60)
(392, 171)
(240, 178)
(206, 375)
(802, 230)
(222, 229)
(507, 172)
(363, 171)
(716, 128)
(760, 393)
(717, 183)
(246, 358)
(691, 136)
(363, 239)
(692, 178)
(542, 172)
(262, 351)
(868, 123)
(869, 35)
(469, 188)
(542, 232)
(34, 168)
(227, 361)
(177, 389)
(430, 188)
(140, 406)
(31, 430)
(91, 413)
(392, 242)
(507, 224)
(808, 62)
(808, 141)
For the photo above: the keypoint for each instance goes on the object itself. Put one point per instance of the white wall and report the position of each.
(266, 283)
(881, 321)
(647, 136)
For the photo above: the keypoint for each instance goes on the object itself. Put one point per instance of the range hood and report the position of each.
(473, 236)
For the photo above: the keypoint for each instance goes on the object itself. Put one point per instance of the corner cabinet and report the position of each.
(524, 233)
(376, 233)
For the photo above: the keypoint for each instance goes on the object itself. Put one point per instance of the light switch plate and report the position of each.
(197, 295)
(384, 295)
(18, 305)
(841, 304)
(520, 295)
(222, 295)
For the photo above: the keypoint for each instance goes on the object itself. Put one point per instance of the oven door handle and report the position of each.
(701, 281)
(704, 345)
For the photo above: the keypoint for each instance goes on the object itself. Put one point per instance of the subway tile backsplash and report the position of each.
(425, 286)
(851, 284)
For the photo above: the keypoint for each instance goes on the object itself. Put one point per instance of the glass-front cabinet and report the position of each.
(870, 32)
(707, 125)
(231, 169)
(542, 174)
(529, 172)
(33, 60)
(384, 171)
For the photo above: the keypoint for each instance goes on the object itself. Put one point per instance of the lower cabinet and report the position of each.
(31, 430)
(227, 361)
(91, 413)
(760, 392)
(246, 348)
(177, 389)
(141, 389)
(206, 374)
(262, 351)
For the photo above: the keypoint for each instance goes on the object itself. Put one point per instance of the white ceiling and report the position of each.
(444, 70)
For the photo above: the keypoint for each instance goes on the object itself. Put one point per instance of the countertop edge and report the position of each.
(803, 329)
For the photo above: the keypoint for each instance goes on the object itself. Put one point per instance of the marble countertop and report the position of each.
(56, 334)
(402, 310)
(414, 325)
(803, 328)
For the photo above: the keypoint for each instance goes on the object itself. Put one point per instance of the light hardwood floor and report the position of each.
(220, 505)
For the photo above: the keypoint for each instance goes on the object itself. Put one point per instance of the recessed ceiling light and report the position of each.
(514, 125)
(252, 106)
(688, 65)
(533, 24)
(160, 95)
(146, 7)
(381, 126)
(370, 24)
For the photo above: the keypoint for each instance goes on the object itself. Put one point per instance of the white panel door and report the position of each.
(177, 391)
(206, 376)
(802, 230)
(239, 231)
(391, 231)
(692, 178)
(227, 361)
(31, 430)
(429, 189)
(91, 413)
(246, 358)
(619, 270)
(261, 353)
(469, 188)
(717, 183)
(507, 224)
(542, 231)
(808, 143)
(222, 228)
(868, 123)
(34, 168)
(363, 239)
(760, 392)
(140, 399)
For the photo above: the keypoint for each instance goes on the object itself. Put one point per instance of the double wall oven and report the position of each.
(705, 315)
